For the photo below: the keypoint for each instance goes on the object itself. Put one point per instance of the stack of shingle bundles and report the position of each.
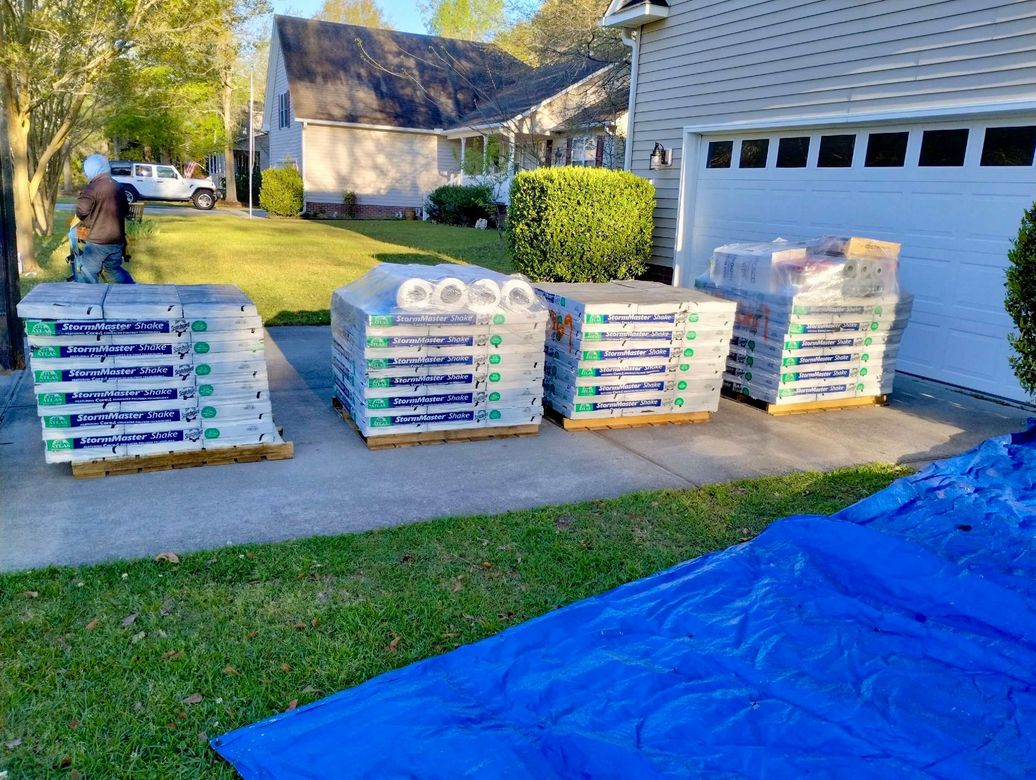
(817, 321)
(126, 370)
(434, 348)
(634, 348)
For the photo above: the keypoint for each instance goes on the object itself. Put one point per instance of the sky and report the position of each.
(403, 14)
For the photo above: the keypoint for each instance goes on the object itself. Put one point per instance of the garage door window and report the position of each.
(753, 153)
(943, 148)
(1009, 146)
(793, 152)
(720, 153)
(836, 151)
(886, 150)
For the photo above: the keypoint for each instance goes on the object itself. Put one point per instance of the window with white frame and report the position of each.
(284, 110)
(584, 151)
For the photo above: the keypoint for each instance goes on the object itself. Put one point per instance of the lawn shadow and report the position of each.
(300, 317)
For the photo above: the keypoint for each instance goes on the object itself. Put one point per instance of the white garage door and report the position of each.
(952, 193)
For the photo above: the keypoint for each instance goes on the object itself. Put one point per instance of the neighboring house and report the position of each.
(390, 116)
(904, 120)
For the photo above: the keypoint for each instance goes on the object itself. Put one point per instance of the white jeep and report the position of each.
(155, 181)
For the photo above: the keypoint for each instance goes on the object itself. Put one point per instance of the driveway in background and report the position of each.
(335, 485)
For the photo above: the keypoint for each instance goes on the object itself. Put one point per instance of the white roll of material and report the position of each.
(449, 293)
(483, 295)
(414, 294)
(517, 295)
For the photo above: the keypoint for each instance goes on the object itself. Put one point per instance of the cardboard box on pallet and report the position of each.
(817, 321)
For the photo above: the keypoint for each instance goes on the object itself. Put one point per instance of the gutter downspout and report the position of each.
(631, 38)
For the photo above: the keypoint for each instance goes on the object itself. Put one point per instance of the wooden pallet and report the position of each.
(621, 423)
(166, 461)
(783, 410)
(394, 440)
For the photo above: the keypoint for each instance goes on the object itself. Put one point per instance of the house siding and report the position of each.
(384, 168)
(285, 143)
(746, 60)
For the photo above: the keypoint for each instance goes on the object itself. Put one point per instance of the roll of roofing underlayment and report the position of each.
(414, 294)
(818, 320)
(137, 369)
(463, 361)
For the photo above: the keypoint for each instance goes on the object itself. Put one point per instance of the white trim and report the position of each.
(631, 39)
(363, 126)
(692, 136)
(635, 16)
(970, 111)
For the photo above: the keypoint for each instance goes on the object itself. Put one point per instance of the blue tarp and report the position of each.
(896, 638)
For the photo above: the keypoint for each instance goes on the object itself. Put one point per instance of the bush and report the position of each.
(580, 224)
(145, 228)
(281, 193)
(241, 178)
(1021, 301)
(349, 200)
(455, 205)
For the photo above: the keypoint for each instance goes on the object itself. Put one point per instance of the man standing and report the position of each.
(102, 207)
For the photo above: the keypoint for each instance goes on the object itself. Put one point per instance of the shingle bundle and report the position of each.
(817, 321)
(431, 348)
(125, 370)
(634, 348)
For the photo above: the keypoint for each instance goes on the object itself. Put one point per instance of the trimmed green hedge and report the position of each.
(580, 224)
(453, 204)
(281, 192)
(1021, 301)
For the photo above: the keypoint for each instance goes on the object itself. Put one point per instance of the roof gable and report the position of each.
(361, 75)
(534, 89)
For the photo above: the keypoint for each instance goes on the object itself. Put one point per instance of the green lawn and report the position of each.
(288, 267)
(125, 670)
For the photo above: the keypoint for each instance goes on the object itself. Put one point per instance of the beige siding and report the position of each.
(286, 143)
(383, 168)
(749, 60)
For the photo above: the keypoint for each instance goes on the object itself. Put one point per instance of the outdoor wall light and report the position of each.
(660, 157)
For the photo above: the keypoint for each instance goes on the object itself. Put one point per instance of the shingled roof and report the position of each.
(537, 86)
(361, 75)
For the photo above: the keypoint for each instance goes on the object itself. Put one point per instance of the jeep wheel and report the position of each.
(204, 200)
(132, 196)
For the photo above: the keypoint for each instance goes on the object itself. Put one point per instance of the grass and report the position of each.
(288, 267)
(99, 665)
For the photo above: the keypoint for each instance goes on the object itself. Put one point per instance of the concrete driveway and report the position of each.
(335, 485)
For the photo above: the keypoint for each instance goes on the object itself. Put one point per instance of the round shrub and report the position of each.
(575, 224)
(281, 192)
(1021, 301)
(464, 205)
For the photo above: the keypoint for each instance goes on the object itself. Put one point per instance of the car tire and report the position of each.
(132, 196)
(204, 200)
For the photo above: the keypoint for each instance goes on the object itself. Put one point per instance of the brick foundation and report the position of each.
(360, 211)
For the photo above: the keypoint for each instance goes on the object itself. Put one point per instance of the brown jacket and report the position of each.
(102, 206)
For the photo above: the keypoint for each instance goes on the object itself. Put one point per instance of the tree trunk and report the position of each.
(230, 187)
(18, 137)
(66, 171)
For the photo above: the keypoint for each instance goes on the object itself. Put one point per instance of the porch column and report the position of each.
(510, 155)
(463, 145)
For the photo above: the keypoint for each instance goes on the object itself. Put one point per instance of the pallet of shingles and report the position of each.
(623, 354)
(133, 371)
(819, 322)
(421, 351)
